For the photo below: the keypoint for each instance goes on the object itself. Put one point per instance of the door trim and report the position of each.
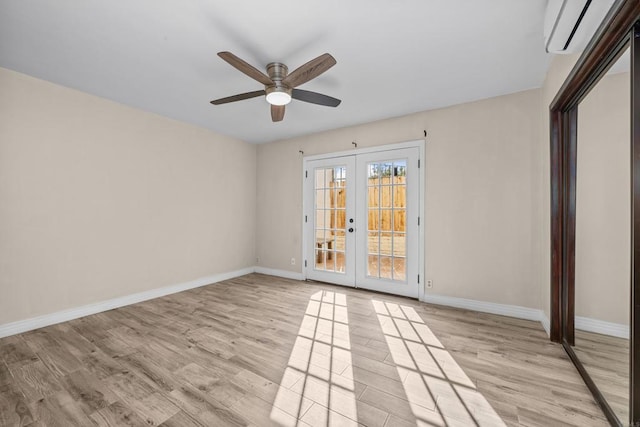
(422, 182)
(420, 143)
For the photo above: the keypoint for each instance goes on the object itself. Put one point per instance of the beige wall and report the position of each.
(99, 200)
(482, 161)
(603, 205)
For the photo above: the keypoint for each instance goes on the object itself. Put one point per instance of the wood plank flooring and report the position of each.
(260, 351)
(606, 359)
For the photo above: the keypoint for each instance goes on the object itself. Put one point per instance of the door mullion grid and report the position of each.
(379, 168)
(392, 181)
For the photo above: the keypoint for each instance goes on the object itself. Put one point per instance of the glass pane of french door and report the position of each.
(386, 219)
(330, 218)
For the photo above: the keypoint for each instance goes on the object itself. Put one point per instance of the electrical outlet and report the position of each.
(258, 260)
(293, 261)
(429, 284)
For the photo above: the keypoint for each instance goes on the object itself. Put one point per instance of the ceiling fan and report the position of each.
(280, 85)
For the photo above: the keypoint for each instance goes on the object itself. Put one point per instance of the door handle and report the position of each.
(351, 230)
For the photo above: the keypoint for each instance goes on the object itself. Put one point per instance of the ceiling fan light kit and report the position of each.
(279, 85)
(278, 95)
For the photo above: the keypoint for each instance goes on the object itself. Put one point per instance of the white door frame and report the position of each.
(421, 144)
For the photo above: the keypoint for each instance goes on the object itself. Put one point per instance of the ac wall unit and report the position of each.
(570, 24)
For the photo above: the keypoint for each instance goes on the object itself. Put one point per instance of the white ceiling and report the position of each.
(394, 57)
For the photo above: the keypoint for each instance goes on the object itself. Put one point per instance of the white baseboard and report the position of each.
(279, 273)
(581, 323)
(485, 307)
(546, 324)
(25, 325)
(601, 327)
(21, 326)
(491, 307)
(469, 304)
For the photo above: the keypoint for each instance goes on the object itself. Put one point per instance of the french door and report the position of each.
(330, 222)
(362, 220)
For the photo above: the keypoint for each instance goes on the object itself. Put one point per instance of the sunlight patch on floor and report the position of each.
(317, 386)
(438, 390)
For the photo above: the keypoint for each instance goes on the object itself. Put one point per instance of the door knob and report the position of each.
(351, 230)
(351, 220)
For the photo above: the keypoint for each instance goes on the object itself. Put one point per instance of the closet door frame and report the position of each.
(619, 29)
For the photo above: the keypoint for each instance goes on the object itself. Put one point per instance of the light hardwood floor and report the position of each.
(260, 350)
(606, 359)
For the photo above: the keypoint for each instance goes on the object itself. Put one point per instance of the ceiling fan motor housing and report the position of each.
(277, 71)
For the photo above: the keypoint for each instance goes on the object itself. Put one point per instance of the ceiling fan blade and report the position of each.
(238, 97)
(315, 98)
(246, 68)
(277, 113)
(310, 70)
